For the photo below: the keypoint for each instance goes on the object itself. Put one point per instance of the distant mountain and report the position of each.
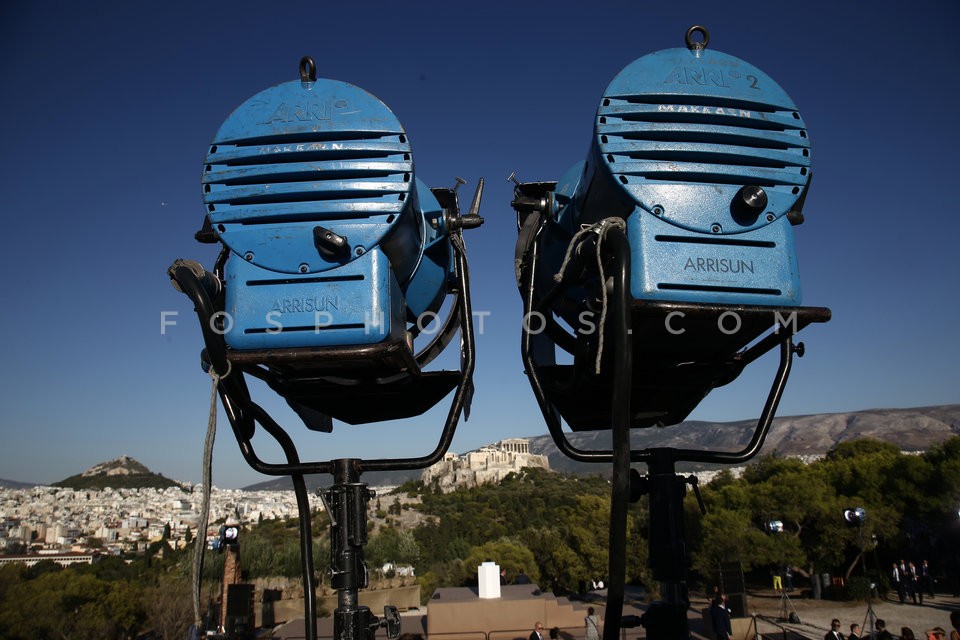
(914, 429)
(372, 478)
(13, 484)
(121, 473)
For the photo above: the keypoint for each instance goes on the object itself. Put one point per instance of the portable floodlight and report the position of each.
(663, 265)
(702, 163)
(332, 238)
(334, 260)
(229, 535)
(855, 516)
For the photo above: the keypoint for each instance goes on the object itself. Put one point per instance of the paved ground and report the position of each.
(815, 615)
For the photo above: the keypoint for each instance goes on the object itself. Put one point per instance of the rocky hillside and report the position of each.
(913, 429)
(121, 473)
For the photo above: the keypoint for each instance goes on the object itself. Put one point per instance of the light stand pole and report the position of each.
(775, 527)
(786, 606)
(870, 615)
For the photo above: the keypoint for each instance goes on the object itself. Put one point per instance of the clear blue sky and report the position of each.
(108, 109)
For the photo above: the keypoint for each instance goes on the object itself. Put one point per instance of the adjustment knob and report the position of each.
(748, 204)
(753, 198)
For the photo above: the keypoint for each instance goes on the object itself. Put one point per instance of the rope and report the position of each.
(600, 229)
(201, 544)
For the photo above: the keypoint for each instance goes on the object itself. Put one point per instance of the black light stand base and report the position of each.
(346, 503)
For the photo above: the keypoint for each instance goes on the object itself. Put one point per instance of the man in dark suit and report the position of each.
(896, 581)
(926, 580)
(854, 631)
(537, 631)
(720, 617)
(880, 630)
(834, 633)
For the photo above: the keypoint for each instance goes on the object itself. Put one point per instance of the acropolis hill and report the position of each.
(488, 464)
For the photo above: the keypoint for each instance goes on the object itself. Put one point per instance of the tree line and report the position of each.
(556, 527)
(113, 598)
(911, 504)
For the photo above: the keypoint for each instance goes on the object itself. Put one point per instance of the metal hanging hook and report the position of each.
(697, 45)
(308, 69)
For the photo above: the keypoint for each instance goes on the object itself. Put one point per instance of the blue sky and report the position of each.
(108, 109)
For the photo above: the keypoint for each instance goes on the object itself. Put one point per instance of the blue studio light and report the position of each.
(334, 259)
(310, 184)
(701, 162)
(707, 159)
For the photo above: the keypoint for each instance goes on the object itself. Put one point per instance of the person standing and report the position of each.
(537, 631)
(911, 576)
(834, 633)
(788, 578)
(880, 630)
(777, 581)
(896, 581)
(904, 580)
(591, 626)
(720, 617)
(854, 631)
(926, 580)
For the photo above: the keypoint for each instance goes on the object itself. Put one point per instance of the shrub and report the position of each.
(857, 588)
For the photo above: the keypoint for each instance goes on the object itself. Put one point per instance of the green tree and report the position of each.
(511, 554)
(10, 576)
(71, 605)
(169, 606)
(42, 567)
(559, 565)
(428, 582)
(273, 549)
(589, 533)
(392, 545)
(945, 459)
(730, 536)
